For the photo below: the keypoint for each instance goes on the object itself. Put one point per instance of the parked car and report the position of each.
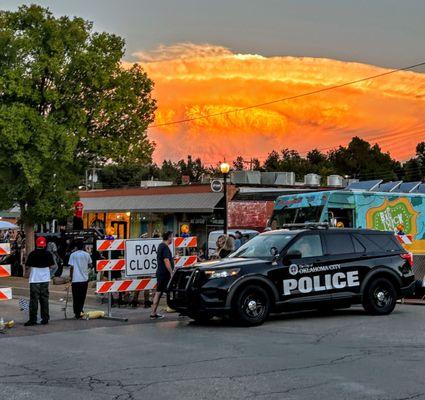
(214, 235)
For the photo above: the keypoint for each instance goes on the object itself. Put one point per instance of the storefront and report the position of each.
(136, 212)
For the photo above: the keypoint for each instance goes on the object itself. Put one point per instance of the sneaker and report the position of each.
(156, 316)
(30, 323)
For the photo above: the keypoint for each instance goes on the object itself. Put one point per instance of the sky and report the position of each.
(210, 57)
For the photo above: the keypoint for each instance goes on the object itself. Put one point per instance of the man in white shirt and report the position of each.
(80, 262)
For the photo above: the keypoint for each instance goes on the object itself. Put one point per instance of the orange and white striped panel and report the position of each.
(184, 242)
(109, 245)
(405, 239)
(185, 261)
(4, 249)
(126, 285)
(5, 294)
(110, 265)
(4, 271)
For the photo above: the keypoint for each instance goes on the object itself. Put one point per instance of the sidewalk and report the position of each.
(9, 310)
(20, 288)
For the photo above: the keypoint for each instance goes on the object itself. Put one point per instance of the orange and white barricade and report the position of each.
(5, 271)
(185, 261)
(405, 239)
(110, 245)
(110, 265)
(128, 285)
(185, 242)
(5, 294)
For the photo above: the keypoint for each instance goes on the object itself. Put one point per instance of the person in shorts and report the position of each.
(164, 271)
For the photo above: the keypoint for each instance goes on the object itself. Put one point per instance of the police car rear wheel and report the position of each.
(251, 306)
(380, 297)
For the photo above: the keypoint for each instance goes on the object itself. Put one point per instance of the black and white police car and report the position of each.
(297, 269)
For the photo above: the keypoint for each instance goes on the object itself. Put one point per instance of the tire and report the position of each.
(380, 297)
(251, 306)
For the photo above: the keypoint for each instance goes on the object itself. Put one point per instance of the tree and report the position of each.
(420, 154)
(361, 160)
(65, 102)
(238, 164)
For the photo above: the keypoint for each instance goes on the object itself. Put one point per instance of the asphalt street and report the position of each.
(345, 355)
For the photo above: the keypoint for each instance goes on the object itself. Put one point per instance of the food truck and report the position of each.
(397, 211)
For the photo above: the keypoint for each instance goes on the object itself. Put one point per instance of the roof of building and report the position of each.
(143, 191)
(181, 202)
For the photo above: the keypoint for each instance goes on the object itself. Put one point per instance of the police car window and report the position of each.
(358, 247)
(384, 241)
(369, 242)
(339, 243)
(261, 246)
(308, 246)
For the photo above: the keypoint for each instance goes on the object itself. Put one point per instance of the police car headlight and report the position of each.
(222, 273)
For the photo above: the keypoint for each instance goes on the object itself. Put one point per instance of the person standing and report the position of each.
(163, 272)
(80, 262)
(40, 261)
(238, 240)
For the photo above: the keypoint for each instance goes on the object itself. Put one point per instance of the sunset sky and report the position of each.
(209, 57)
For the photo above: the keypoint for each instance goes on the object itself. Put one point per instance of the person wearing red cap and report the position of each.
(40, 261)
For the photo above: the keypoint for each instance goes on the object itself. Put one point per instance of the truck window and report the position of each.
(339, 243)
(308, 246)
(297, 215)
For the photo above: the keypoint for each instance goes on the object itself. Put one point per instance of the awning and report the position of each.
(190, 203)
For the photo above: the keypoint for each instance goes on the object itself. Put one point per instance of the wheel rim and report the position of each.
(382, 296)
(254, 306)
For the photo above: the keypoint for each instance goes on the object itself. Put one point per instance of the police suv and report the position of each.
(314, 267)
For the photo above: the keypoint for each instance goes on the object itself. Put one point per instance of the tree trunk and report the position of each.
(29, 237)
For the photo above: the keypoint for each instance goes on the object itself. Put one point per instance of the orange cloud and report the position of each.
(195, 80)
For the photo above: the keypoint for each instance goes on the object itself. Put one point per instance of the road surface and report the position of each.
(345, 355)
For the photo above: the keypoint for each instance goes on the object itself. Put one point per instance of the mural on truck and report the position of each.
(403, 213)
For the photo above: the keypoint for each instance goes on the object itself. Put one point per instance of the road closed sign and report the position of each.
(140, 257)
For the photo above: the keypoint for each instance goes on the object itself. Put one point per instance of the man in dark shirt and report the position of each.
(163, 272)
(40, 261)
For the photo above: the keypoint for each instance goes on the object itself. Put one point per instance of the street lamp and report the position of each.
(225, 168)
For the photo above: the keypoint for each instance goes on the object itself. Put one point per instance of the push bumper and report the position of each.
(410, 289)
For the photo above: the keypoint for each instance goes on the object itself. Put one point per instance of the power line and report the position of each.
(290, 97)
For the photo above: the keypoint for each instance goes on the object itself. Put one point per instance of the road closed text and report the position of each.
(321, 283)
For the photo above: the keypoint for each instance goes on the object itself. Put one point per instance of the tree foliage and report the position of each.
(66, 102)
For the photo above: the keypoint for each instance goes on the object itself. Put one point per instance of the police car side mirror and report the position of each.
(293, 255)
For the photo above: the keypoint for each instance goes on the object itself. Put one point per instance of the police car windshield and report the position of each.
(263, 246)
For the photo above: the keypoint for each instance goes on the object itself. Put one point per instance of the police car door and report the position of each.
(303, 280)
(345, 262)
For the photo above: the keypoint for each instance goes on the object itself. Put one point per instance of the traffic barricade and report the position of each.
(139, 264)
(5, 271)
(185, 243)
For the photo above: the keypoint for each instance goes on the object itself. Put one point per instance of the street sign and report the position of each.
(140, 257)
(216, 185)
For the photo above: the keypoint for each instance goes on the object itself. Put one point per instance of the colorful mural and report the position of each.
(402, 213)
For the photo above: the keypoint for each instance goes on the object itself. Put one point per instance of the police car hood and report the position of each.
(230, 263)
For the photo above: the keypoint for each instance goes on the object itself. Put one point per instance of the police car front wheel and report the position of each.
(380, 297)
(251, 305)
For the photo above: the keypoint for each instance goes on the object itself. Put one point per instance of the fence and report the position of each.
(5, 271)
(132, 285)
